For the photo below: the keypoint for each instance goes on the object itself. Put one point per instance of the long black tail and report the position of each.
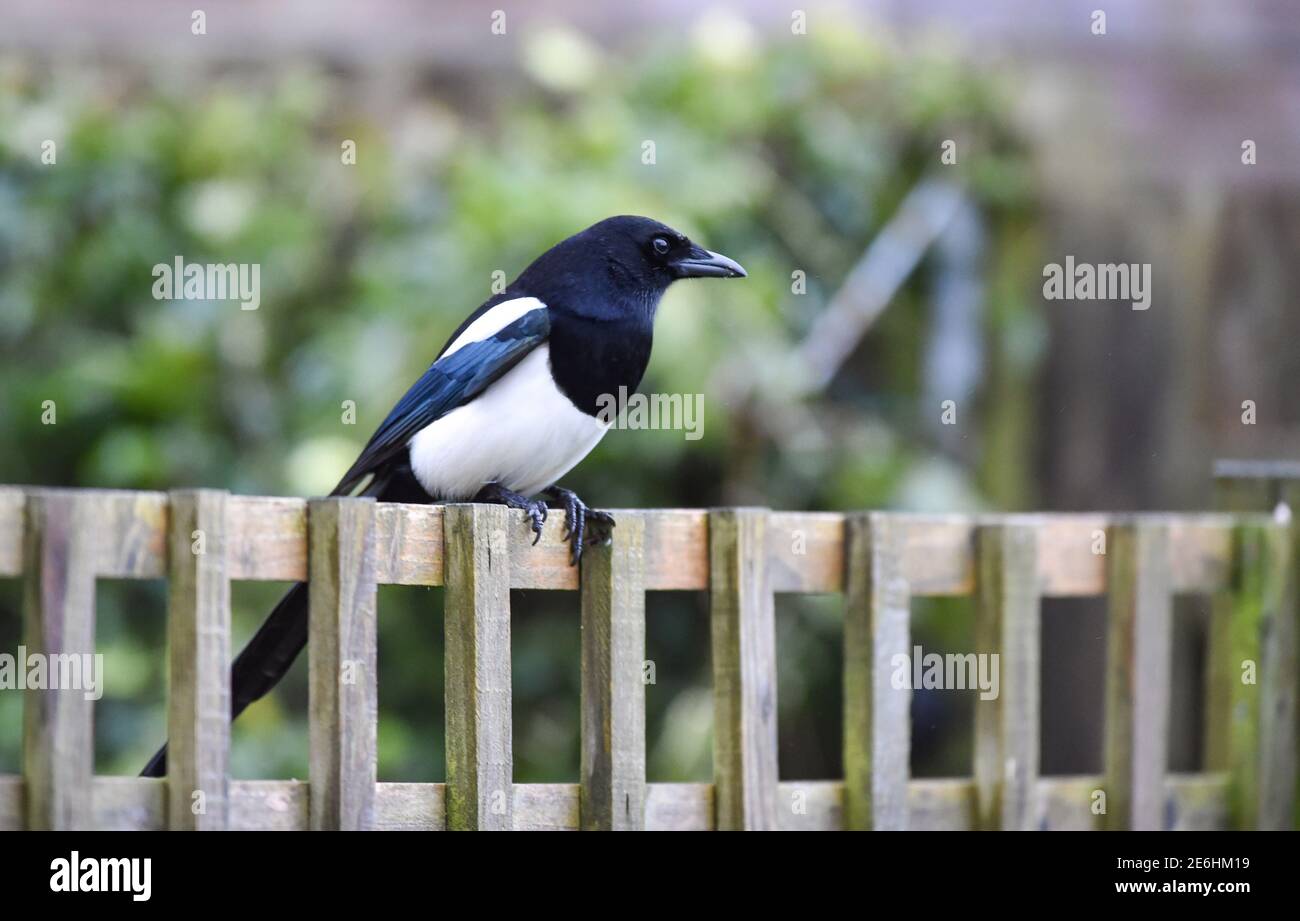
(263, 662)
(271, 651)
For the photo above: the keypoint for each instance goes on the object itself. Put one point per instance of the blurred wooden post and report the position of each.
(1266, 591)
(612, 788)
(198, 649)
(1007, 625)
(744, 671)
(59, 625)
(877, 716)
(342, 663)
(1138, 657)
(480, 793)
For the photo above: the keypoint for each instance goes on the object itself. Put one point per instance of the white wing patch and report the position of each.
(493, 321)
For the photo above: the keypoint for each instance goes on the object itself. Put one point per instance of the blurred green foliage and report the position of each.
(787, 156)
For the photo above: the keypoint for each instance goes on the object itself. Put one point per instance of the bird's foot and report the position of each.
(583, 526)
(536, 509)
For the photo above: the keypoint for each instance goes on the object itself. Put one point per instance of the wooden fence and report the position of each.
(60, 541)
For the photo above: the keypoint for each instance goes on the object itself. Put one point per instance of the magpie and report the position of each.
(511, 404)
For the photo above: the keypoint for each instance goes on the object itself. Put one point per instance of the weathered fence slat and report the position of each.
(479, 757)
(1007, 625)
(13, 501)
(1138, 655)
(59, 622)
(198, 649)
(60, 541)
(613, 686)
(877, 716)
(1260, 677)
(742, 617)
(344, 687)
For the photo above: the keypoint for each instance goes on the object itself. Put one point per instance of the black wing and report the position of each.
(451, 381)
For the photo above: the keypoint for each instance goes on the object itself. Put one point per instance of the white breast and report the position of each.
(522, 432)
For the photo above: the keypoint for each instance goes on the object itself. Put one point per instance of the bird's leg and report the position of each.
(580, 521)
(497, 494)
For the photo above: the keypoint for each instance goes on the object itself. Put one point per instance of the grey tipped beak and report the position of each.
(705, 264)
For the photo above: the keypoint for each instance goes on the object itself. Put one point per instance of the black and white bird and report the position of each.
(511, 403)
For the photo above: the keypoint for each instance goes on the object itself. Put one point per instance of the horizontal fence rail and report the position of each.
(60, 541)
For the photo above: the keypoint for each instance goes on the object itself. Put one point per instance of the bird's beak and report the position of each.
(701, 263)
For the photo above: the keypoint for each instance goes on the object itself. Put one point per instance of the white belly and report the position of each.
(522, 432)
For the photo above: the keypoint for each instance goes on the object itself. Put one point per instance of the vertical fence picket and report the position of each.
(612, 787)
(344, 688)
(1245, 486)
(1260, 674)
(1138, 653)
(877, 716)
(342, 664)
(59, 620)
(480, 794)
(198, 649)
(742, 617)
(1008, 625)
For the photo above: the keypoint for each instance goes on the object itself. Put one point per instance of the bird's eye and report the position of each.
(660, 245)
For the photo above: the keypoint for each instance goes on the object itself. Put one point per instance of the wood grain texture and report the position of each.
(879, 561)
(676, 549)
(679, 807)
(1279, 676)
(1192, 801)
(1007, 625)
(198, 651)
(612, 698)
(266, 538)
(805, 552)
(877, 716)
(268, 541)
(129, 539)
(12, 504)
(59, 626)
(411, 807)
(1261, 677)
(479, 757)
(269, 805)
(408, 544)
(742, 618)
(11, 803)
(342, 663)
(810, 805)
(1138, 656)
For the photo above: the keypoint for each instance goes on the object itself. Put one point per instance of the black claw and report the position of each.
(535, 509)
(579, 530)
(583, 526)
(600, 527)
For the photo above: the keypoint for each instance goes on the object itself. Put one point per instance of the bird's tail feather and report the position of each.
(263, 662)
(271, 651)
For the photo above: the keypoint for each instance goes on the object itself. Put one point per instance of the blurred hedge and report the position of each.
(787, 156)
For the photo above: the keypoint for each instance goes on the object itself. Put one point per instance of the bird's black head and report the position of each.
(620, 262)
(650, 253)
